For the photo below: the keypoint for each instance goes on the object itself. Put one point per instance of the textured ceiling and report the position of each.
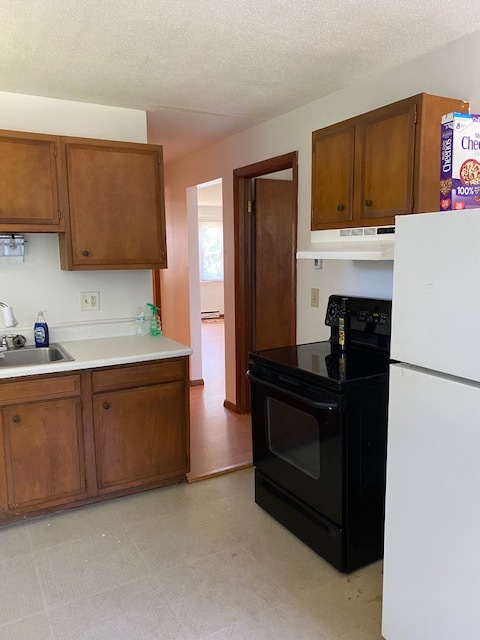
(203, 69)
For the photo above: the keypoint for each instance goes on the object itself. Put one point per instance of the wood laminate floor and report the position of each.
(220, 440)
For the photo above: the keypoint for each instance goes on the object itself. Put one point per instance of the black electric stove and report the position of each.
(319, 419)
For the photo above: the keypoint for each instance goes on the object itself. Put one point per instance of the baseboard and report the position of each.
(207, 315)
(197, 383)
(231, 407)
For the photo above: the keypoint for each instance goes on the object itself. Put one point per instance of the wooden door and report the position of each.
(274, 287)
(44, 453)
(244, 263)
(385, 162)
(332, 175)
(139, 435)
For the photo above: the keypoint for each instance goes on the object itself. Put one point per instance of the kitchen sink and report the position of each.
(32, 355)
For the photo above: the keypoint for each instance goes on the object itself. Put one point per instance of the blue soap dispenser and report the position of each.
(40, 331)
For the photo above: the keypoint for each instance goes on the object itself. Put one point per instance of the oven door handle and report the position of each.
(329, 406)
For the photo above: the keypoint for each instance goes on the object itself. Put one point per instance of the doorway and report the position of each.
(265, 227)
(219, 439)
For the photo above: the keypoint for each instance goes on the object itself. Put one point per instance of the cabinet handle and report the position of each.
(106, 405)
(368, 203)
(17, 419)
(85, 253)
(340, 207)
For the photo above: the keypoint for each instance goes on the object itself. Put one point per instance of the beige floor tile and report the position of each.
(75, 569)
(14, 541)
(299, 570)
(350, 611)
(180, 538)
(275, 624)
(35, 627)
(280, 581)
(127, 612)
(209, 595)
(150, 505)
(20, 591)
(74, 524)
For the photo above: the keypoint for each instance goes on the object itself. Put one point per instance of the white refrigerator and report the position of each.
(432, 520)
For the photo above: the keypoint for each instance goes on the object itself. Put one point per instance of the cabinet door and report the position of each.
(44, 453)
(140, 435)
(384, 162)
(332, 176)
(29, 198)
(116, 204)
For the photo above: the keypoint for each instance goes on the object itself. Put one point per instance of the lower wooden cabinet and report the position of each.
(139, 435)
(71, 439)
(44, 454)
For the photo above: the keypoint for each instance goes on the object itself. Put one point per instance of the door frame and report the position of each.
(243, 261)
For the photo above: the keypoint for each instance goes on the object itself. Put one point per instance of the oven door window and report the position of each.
(293, 436)
(298, 442)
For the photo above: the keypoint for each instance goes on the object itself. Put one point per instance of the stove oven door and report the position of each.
(297, 440)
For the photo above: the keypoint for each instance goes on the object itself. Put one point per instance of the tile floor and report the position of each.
(190, 562)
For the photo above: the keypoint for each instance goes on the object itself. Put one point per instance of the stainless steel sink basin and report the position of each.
(33, 355)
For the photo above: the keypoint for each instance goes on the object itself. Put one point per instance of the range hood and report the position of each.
(368, 243)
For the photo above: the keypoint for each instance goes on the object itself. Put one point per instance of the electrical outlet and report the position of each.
(315, 297)
(89, 301)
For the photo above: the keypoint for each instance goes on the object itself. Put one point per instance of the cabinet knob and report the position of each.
(85, 253)
(368, 203)
(106, 405)
(340, 207)
(17, 419)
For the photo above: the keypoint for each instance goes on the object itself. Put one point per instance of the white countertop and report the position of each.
(104, 352)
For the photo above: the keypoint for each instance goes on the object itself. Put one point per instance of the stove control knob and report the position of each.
(332, 311)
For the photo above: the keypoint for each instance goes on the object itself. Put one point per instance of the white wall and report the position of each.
(38, 283)
(446, 72)
(211, 297)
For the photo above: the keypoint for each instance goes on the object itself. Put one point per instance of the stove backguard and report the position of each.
(370, 320)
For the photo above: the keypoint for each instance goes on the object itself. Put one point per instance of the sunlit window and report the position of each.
(211, 250)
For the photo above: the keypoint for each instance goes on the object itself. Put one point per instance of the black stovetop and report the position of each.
(323, 363)
(365, 361)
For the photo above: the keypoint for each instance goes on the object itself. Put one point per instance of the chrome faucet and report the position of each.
(17, 342)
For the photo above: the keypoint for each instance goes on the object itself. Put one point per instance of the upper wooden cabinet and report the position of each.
(116, 217)
(29, 182)
(106, 199)
(368, 169)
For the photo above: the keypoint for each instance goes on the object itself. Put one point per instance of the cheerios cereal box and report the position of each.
(460, 161)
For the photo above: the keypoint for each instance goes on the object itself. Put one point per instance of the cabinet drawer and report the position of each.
(48, 387)
(128, 376)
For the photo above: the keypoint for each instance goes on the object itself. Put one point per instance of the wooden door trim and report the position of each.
(157, 291)
(242, 262)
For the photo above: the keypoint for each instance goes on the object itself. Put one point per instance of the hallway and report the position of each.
(220, 440)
